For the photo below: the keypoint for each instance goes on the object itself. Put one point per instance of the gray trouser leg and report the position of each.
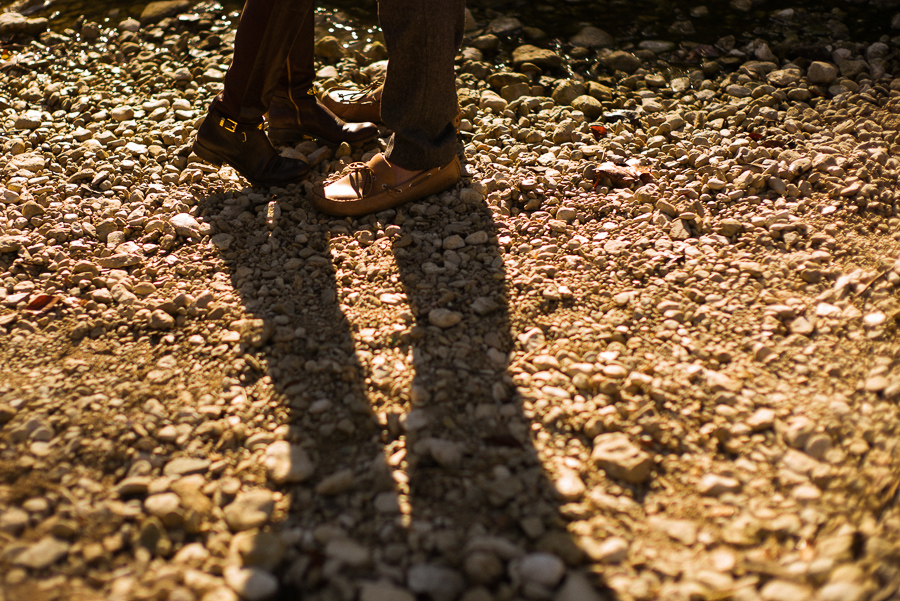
(419, 101)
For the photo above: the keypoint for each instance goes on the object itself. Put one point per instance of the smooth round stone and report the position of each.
(250, 510)
(542, 569)
(443, 318)
(287, 463)
(252, 584)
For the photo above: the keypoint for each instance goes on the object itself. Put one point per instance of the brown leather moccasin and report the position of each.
(355, 106)
(371, 187)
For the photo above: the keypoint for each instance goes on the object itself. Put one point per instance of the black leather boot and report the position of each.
(246, 148)
(293, 116)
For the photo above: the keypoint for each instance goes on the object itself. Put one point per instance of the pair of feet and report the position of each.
(366, 188)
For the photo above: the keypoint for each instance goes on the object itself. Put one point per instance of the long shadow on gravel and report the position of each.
(387, 342)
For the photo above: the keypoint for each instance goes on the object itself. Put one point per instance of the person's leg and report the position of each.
(295, 111)
(419, 101)
(300, 69)
(267, 32)
(233, 131)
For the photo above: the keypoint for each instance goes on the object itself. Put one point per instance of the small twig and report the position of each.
(527, 355)
(872, 281)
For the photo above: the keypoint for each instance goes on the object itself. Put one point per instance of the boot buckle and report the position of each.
(228, 124)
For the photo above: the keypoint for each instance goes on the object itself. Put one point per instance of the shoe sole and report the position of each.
(216, 161)
(441, 178)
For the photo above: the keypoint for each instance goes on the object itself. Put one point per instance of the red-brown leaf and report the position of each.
(599, 131)
(42, 302)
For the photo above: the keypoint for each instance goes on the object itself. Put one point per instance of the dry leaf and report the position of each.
(42, 302)
(622, 175)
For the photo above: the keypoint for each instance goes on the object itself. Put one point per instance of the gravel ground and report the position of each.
(645, 350)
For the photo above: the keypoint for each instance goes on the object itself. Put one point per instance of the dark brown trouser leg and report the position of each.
(265, 37)
(419, 101)
(299, 70)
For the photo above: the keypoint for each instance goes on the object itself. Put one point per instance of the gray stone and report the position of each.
(184, 466)
(13, 23)
(185, 224)
(336, 483)
(483, 567)
(820, 72)
(567, 91)
(10, 244)
(543, 58)
(119, 261)
(577, 587)
(592, 37)
(438, 582)
(14, 521)
(257, 549)
(713, 485)
(783, 590)
(588, 105)
(42, 554)
(287, 463)
(684, 531)
(443, 318)
(841, 591)
(157, 11)
(160, 320)
(784, 77)
(619, 458)
(253, 584)
(383, 591)
(348, 552)
(249, 510)
(542, 569)
(622, 61)
(29, 161)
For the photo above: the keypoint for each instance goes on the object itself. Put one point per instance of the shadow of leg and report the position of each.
(373, 401)
(304, 418)
(485, 518)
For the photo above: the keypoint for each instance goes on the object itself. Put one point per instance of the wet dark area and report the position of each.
(680, 21)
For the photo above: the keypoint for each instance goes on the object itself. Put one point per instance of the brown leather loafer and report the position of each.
(356, 105)
(363, 104)
(371, 187)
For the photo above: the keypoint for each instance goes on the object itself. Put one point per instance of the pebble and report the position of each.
(542, 569)
(185, 224)
(250, 509)
(437, 582)
(444, 318)
(185, 466)
(612, 550)
(383, 591)
(569, 485)
(483, 567)
(288, 464)
(714, 485)
(619, 458)
(577, 587)
(659, 262)
(841, 591)
(263, 550)
(348, 552)
(783, 590)
(252, 584)
(42, 554)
